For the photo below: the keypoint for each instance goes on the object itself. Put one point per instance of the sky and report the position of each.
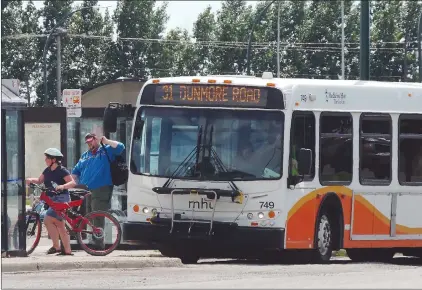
(182, 13)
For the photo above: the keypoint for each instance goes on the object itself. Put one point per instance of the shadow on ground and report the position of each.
(402, 261)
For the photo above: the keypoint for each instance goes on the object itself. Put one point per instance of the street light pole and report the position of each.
(248, 52)
(419, 47)
(59, 34)
(364, 40)
(60, 23)
(342, 39)
(278, 40)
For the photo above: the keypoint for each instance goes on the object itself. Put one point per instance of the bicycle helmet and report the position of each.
(54, 153)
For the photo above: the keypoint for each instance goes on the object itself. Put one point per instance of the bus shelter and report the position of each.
(12, 170)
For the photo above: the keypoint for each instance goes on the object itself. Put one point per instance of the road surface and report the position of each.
(402, 273)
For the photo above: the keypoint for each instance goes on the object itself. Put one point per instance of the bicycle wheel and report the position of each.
(33, 228)
(96, 226)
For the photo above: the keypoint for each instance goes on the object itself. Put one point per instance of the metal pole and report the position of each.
(58, 69)
(278, 40)
(364, 40)
(419, 47)
(342, 39)
(46, 45)
(248, 52)
(45, 70)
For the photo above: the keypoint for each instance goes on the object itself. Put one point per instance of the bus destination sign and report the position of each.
(214, 95)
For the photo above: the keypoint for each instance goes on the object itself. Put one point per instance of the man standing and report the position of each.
(93, 171)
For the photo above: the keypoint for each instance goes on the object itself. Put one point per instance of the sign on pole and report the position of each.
(72, 100)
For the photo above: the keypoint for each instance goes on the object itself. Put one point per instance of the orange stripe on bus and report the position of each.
(370, 221)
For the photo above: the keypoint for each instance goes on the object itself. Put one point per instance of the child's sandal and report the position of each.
(64, 254)
(52, 250)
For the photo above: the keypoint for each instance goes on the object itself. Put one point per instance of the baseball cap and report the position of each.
(89, 137)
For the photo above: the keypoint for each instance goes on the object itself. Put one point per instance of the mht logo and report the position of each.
(200, 204)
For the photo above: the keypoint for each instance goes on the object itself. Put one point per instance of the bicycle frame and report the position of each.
(77, 223)
(62, 207)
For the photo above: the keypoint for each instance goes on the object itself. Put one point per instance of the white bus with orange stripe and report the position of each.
(248, 167)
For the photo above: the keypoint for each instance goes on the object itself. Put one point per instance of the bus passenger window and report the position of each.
(410, 149)
(336, 148)
(302, 136)
(375, 149)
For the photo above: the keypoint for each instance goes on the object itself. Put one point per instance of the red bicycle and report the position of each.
(76, 224)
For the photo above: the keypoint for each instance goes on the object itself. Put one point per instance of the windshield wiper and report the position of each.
(200, 167)
(220, 165)
(195, 152)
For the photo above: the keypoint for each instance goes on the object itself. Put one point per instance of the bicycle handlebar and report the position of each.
(44, 188)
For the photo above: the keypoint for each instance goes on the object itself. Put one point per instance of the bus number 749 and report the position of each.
(267, 204)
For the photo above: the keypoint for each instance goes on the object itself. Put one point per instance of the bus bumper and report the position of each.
(226, 236)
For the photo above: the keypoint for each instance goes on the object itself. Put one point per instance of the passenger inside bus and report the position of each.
(242, 161)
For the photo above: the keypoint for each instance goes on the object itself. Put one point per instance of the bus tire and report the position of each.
(189, 259)
(168, 251)
(323, 239)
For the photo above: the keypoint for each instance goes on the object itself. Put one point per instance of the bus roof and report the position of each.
(285, 82)
(325, 94)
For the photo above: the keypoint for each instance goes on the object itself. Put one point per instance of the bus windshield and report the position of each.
(246, 144)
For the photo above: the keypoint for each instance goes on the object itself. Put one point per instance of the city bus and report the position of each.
(261, 167)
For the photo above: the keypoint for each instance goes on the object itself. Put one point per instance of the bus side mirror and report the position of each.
(110, 118)
(304, 161)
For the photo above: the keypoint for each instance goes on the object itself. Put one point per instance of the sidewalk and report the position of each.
(39, 261)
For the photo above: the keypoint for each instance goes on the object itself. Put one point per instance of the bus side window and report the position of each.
(410, 149)
(336, 148)
(302, 136)
(375, 149)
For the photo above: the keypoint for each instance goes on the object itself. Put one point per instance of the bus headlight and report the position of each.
(250, 215)
(145, 210)
(261, 215)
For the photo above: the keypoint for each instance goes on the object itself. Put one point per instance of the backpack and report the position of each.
(118, 169)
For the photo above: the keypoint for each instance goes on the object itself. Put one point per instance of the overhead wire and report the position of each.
(193, 41)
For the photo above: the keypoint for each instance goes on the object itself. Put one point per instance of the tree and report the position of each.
(139, 19)
(322, 33)
(19, 56)
(86, 55)
(232, 26)
(110, 58)
(352, 36)
(10, 25)
(386, 62)
(409, 26)
(53, 11)
(178, 54)
(204, 32)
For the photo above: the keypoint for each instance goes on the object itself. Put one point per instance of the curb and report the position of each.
(57, 265)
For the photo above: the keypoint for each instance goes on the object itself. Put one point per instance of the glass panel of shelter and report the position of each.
(14, 176)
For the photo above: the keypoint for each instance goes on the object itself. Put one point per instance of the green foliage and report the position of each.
(136, 42)
(19, 56)
(139, 19)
